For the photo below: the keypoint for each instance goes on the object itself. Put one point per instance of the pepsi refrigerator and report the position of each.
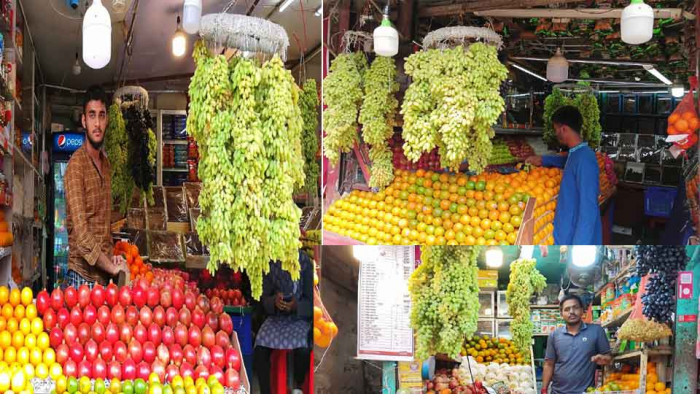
(63, 145)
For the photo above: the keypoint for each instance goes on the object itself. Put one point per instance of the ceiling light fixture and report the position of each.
(677, 89)
(637, 23)
(557, 68)
(97, 36)
(526, 71)
(657, 74)
(191, 16)
(386, 37)
(583, 255)
(286, 5)
(319, 11)
(76, 65)
(179, 41)
(494, 257)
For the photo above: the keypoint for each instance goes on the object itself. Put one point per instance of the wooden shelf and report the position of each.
(533, 132)
(618, 320)
(175, 170)
(175, 142)
(640, 352)
(616, 278)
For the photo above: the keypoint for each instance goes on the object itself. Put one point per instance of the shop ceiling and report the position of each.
(56, 31)
(533, 29)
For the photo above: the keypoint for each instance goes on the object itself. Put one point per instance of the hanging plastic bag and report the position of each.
(683, 123)
(637, 327)
(324, 327)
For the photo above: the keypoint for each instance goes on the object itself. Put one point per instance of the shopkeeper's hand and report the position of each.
(279, 303)
(601, 359)
(535, 160)
(291, 305)
(120, 262)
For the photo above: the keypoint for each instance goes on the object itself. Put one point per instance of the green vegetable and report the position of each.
(308, 102)
(452, 103)
(342, 95)
(444, 299)
(116, 147)
(247, 124)
(525, 280)
(377, 118)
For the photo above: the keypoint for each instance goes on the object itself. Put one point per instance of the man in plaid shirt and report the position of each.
(89, 201)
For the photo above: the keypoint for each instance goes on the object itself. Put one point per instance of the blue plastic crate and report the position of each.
(243, 326)
(658, 201)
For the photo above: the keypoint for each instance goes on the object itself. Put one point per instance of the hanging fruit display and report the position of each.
(247, 123)
(342, 96)
(308, 102)
(525, 280)
(116, 147)
(142, 149)
(377, 118)
(452, 102)
(587, 105)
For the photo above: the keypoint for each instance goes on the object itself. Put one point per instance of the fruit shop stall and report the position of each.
(494, 336)
(399, 122)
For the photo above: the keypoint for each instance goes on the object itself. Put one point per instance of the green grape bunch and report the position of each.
(342, 95)
(247, 122)
(445, 299)
(308, 103)
(451, 104)
(116, 148)
(587, 105)
(525, 280)
(377, 118)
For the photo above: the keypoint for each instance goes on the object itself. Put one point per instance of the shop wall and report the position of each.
(172, 101)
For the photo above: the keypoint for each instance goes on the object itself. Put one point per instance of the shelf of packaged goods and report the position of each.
(617, 277)
(175, 169)
(640, 352)
(616, 322)
(175, 142)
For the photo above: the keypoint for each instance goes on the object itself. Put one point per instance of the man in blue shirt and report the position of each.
(573, 351)
(577, 217)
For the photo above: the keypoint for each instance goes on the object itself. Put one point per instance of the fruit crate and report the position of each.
(613, 392)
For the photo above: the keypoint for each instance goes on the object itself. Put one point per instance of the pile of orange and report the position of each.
(628, 378)
(485, 349)
(23, 342)
(324, 329)
(137, 267)
(685, 122)
(605, 185)
(430, 208)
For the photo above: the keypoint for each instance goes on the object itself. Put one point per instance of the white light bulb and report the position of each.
(386, 38)
(191, 16)
(637, 23)
(558, 68)
(179, 44)
(97, 36)
(583, 255)
(494, 257)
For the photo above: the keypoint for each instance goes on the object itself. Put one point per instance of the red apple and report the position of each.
(171, 317)
(121, 352)
(62, 353)
(70, 334)
(43, 302)
(91, 350)
(226, 323)
(132, 315)
(125, 296)
(63, 318)
(181, 334)
(153, 296)
(114, 370)
(50, 319)
(233, 359)
(146, 316)
(70, 368)
(90, 315)
(129, 369)
(208, 337)
(99, 369)
(140, 333)
(231, 379)
(112, 333)
(83, 333)
(190, 354)
(70, 295)
(143, 370)
(159, 315)
(76, 352)
(83, 296)
(76, 316)
(218, 356)
(106, 351)
(135, 351)
(126, 333)
(176, 354)
(104, 315)
(97, 296)
(56, 299)
(168, 336)
(185, 317)
(118, 315)
(178, 299)
(112, 295)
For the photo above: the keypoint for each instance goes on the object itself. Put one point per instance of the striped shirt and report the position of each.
(88, 213)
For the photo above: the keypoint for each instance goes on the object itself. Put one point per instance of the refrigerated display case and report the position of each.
(173, 166)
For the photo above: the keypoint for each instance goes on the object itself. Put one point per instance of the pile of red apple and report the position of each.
(128, 332)
(427, 161)
(232, 297)
(519, 148)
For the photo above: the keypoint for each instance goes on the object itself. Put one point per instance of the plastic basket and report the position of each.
(658, 201)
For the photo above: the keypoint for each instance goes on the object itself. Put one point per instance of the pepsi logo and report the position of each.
(61, 141)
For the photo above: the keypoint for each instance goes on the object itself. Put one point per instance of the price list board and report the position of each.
(384, 304)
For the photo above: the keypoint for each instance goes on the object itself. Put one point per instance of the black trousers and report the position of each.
(262, 365)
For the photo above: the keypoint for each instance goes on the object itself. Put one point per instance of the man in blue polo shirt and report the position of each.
(573, 351)
(577, 218)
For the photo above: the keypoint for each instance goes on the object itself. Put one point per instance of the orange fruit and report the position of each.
(15, 297)
(671, 130)
(687, 115)
(681, 125)
(693, 124)
(318, 313)
(673, 118)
